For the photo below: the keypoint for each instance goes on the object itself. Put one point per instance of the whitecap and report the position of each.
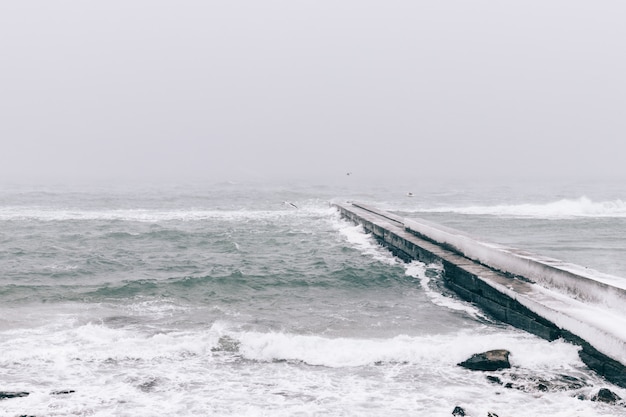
(564, 208)
(364, 242)
(419, 270)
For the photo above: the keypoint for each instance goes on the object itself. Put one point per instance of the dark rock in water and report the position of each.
(9, 394)
(492, 360)
(532, 383)
(458, 411)
(494, 379)
(566, 382)
(63, 392)
(606, 396)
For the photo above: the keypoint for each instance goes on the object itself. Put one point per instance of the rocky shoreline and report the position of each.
(498, 360)
(498, 370)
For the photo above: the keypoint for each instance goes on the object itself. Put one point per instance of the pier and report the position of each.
(544, 296)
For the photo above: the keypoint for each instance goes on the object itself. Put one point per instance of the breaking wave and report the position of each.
(565, 208)
(149, 215)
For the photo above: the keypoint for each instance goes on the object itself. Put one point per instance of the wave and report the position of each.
(205, 371)
(105, 341)
(421, 271)
(364, 242)
(561, 209)
(350, 352)
(152, 216)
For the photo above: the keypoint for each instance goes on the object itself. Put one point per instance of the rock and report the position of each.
(531, 383)
(494, 379)
(606, 396)
(492, 360)
(458, 411)
(567, 382)
(8, 394)
(63, 392)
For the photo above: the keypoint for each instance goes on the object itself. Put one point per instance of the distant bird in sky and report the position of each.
(287, 203)
(409, 194)
(348, 173)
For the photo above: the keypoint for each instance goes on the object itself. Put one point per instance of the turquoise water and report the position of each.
(220, 299)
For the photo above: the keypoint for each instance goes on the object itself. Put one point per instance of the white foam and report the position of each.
(58, 267)
(127, 372)
(155, 216)
(418, 270)
(561, 209)
(364, 242)
(345, 352)
(155, 308)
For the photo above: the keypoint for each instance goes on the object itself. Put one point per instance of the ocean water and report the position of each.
(221, 300)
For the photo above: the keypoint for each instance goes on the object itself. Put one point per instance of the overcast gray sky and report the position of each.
(268, 89)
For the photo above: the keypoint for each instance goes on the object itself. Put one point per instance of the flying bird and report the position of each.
(287, 203)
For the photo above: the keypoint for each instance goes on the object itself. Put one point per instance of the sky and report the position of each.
(267, 89)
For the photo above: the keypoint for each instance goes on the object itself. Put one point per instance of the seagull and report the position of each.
(409, 194)
(348, 173)
(287, 203)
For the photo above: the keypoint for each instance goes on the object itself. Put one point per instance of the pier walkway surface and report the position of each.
(544, 296)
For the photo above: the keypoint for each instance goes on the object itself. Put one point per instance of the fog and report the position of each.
(231, 90)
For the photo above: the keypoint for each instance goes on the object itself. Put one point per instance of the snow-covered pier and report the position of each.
(541, 295)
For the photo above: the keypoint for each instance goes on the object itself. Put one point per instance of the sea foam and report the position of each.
(561, 209)
(226, 370)
(419, 270)
(154, 216)
(364, 242)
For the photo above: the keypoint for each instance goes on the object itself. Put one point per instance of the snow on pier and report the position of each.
(542, 295)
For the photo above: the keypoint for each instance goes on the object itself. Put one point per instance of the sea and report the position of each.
(255, 298)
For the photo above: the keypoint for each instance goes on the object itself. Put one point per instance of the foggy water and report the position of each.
(220, 299)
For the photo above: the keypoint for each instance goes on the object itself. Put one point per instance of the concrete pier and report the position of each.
(543, 296)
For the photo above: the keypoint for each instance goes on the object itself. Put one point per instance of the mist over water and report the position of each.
(167, 246)
(221, 299)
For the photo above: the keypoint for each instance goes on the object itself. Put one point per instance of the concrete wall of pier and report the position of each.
(509, 294)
